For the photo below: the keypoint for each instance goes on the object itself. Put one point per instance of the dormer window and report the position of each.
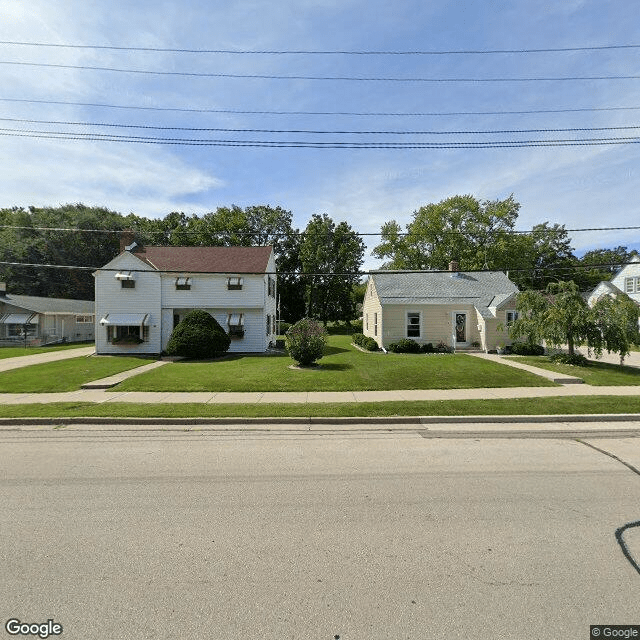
(183, 284)
(234, 283)
(127, 280)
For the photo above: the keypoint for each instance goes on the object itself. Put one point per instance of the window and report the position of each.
(234, 283)
(127, 334)
(271, 285)
(235, 322)
(268, 324)
(632, 285)
(127, 280)
(413, 324)
(375, 324)
(512, 316)
(183, 284)
(366, 321)
(87, 319)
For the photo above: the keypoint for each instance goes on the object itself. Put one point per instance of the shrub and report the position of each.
(575, 359)
(527, 349)
(284, 327)
(406, 345)
(370, 344)
(198, 336)
(356, 325)
(305, 341)
(443, 347)
(357, 338)
(427, 348)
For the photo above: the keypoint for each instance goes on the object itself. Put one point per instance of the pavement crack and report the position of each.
(611, 455)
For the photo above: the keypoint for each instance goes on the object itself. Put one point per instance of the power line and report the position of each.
(550, 268)
(259, 76)
(302, 144)
(102, 105)
(302, 233)
(318, 131)
(326, 51)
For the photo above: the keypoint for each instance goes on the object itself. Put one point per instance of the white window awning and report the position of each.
(183, 281)
(124, 275)
(235, 320)
(19, 318)
(125, 319)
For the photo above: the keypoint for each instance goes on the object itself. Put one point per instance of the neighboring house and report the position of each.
(461, 309)
(627, 280)
(143, 293)
(45, 320)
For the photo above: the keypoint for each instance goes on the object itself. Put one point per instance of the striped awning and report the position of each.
(125, 319)
(18, 318)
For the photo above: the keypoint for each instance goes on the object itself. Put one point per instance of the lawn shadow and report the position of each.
(329, 351)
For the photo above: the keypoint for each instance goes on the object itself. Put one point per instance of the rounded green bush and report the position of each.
(406, 345)
(305, 341)
(370, 344)
(198, 336)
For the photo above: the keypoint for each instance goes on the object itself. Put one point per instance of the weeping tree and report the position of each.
(559, 315)
(617, 321)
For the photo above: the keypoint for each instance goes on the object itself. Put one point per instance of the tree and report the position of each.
(198, 335)
(305, 341)
(540, 257)
(601, 264)
(559, 316)
(459, 228)
(333, 256)
(616, 319)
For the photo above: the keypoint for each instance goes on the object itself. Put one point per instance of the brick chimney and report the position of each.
(453, 265)
(126, 239)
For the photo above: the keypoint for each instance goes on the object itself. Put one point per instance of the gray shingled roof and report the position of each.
(50, 305)
(481, 289)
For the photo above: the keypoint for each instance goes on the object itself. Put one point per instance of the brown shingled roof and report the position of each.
(207, 259)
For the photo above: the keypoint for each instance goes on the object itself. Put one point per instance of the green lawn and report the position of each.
(64, 375)
(597, 373)
(343, 368)
(14, 352)
(522, 406)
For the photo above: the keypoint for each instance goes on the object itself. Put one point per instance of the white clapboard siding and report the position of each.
(112, 298)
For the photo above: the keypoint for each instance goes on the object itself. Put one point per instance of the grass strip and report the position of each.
(598, 374)
(521, 406)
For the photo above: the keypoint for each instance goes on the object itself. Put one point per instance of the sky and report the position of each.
(582, 187)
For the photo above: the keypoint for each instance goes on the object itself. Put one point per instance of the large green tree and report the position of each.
(475, 233)
(332, 256)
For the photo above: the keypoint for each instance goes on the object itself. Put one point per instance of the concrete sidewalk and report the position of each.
(101, 396)
(6, 364)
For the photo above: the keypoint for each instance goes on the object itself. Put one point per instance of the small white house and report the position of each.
(39, 320)
(143, 293)
(463, 310)
(627, 280)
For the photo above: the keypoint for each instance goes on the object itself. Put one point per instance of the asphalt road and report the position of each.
(362, 536)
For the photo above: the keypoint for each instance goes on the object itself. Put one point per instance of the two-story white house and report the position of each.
(627, 280)
(144, 292)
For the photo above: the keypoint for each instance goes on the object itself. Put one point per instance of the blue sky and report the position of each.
(586, 186)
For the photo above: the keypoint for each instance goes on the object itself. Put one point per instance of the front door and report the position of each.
(460, 327)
